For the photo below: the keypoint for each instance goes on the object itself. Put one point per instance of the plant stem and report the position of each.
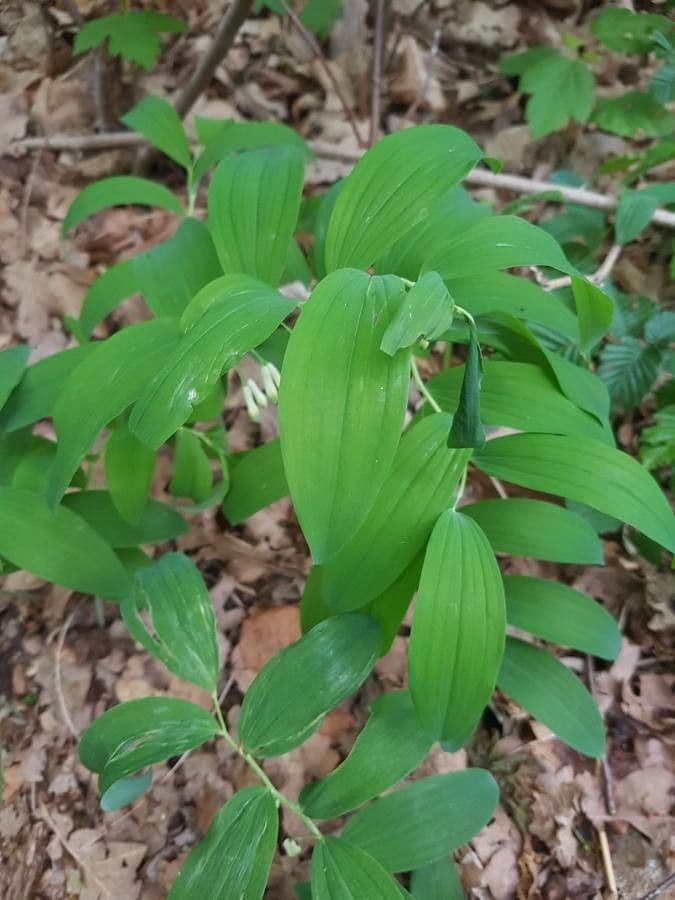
(281, 799)
(421, 386)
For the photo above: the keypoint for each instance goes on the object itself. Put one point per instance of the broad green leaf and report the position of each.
(519, 395)
(227, 319)
(132, 35)
(129, 466)
(544, 687)
(536, 528)
(134, 735)
(558, 613)
(341, 406)
(101, 387)
(493, 243)
(257, 479)
(426, 820)
(111, 287)
(319, 15)
(13, 449)
(254, 200)
(321, 222)
(561, 89)
(233, 861)
(466, 430)
(425, 310)
(159, 122)
(594, 312)
(519, 63)
(334, 658)
(629, 368)
(32, 466)
(583, 470)
(35, 395)
(341, 871)
(624, 31)
(421, 483)
(660, 328)
(191, 476)
(437, 881)
(182, 626)
(12, 367)
(57, 545)
(633, 214)
(632, 113)
(390, 607)
(156, 524)
(458, 629)
(390, 746)
(124, 791)
(118, 190)
(391, 189)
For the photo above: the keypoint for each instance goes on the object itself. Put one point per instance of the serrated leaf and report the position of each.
(229, 317)
(233, 861)
(118, 190)
(134, 735)
(58, 545)
(191, 475)
(254, 200)
(631, 113)
(109, 379)
(629, 368)
(132, 35)
(426, 820)
(390, 746)
(391, 189)
(466, 430)
(341, 406)
(594, 312)
(257, 478)
(662, 84)
(458, 629)
(12, 366)
(561, 89)
(341, 871)
(426, 310)
(182, 626)
(421, 483)
(129, 466)
(159, 122)
(437, 881)
(625, 31)
(157, 523)
(583, 470)
(547, 690)
(557, 613)
(660, 328)
(334, 658)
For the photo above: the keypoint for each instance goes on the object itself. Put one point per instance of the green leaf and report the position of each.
(627, 32)
(254, 201)
(341, 871)
(391, 189)
(537, 528)
(633, 112)
(12, 367)
(118, 190)
(519, 63)
(132, 35)
(341, 406)
(233, 861)
(426, 310)
(633, 214)
(334, 658)
(594, 312)
(125, 791)
(191, 476)
(390, 607)
(129, 467)
(557, 613)
(466, 430)
(424, 821)
(182, 626)
(421, 483)
(390, 746)
(226, 319)
(100, 388)
(662, 84)
(157, 523)
(111, 287)
(629, 368)
(518, 395)
(319, 15)
(159, 122)
(437, 881)
(561, 89)
(547, 690)
(257, 479)
(458, 629)
(660, 328)
(134, 735)
(583, 470)
(57, 545)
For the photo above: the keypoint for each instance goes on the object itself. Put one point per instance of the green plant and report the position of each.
(402, 257)
(132, 35)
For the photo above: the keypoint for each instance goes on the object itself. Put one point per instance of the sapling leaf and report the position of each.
(182, 632)
(118, 190)
(437, 881)
(629, 368)
(625, 31)
(634, 112)
(466, 430)
(157, 523)
(129, 466)
(12, 366)
(159, 122)
(426, 310)
(132, 35)
(233, 861)
(341, 871)
(191, 476)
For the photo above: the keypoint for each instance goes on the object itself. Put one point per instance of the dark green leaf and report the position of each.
(115, 284)
(129, 466)
(334, 658)
(319, 15)
(118, 190)
(633, 214)
(182, 627)
(390, 607)
(425, 310)
(390, 746)
(341, 871)
(628, 32)
(629, 368)
(632, 113)
(191, 476)
(159, 122)
(125, 791)
(594, 312)
(12, 367)
(132, 35)
(58, 545)
(157, 523)
(426, 820)
(437, 881)
(467, 430)
(536, 528)
(544, 687)
(558, 613)
(257, 479)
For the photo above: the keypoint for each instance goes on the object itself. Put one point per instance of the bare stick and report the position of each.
(58, 681)
(660, 888)
(109, 140)
(376, 88)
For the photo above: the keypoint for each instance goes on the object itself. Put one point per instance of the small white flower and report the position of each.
(251, 405)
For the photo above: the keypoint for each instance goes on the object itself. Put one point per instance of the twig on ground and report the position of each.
(660, 888)
(110, 140)
(376, 85)
(58, 682)
(86, 868)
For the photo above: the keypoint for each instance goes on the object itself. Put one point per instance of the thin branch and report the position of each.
(660, 888)
(376, 86)
(601, 274)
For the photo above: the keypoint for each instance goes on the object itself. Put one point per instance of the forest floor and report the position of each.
(64, 661)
